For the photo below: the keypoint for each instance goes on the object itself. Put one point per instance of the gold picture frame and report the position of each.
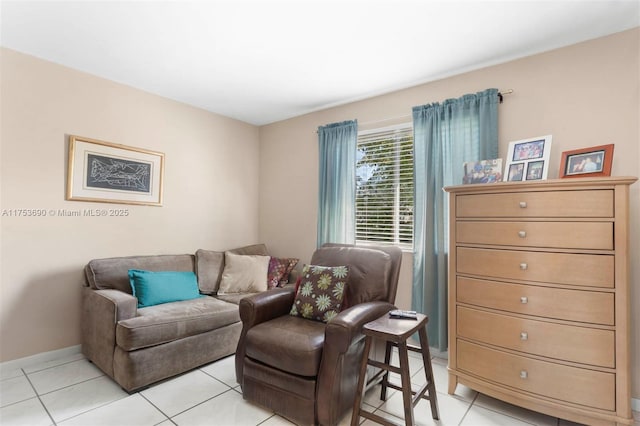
(106, 172)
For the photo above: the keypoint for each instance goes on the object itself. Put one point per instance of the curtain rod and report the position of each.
(500, 95)
(506, 92)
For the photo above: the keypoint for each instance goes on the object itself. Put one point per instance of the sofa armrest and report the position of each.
(346, 328)
(101, 311)
(266, 306)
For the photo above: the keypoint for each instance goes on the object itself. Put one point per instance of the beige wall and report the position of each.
(210, 192)
(584, 95)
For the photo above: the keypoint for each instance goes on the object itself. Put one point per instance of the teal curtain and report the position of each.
(445, 136)
(337, 195)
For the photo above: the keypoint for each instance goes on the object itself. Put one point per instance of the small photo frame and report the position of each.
(587, 162)
(111, 173)
(515, 172)
(534, 170)
(528, 159)
(483, 171)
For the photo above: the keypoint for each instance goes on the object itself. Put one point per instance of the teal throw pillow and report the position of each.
(154, 288)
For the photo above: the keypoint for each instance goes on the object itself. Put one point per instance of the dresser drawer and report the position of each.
(590, 203)
(572, 305)
(577, 385)
(565, 342)
(574, 235)
(560, 268)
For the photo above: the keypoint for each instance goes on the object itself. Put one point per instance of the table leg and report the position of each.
(406, 383)
(355, 415)
(428, 369)
(385, 376)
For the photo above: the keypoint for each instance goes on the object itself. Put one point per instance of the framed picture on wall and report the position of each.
(593, 161)
(528, 159)
(111, 173)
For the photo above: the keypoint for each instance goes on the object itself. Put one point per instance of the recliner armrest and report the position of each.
(346, 327)
(257, 309)
(265, 306)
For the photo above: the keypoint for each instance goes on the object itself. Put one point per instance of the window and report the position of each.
(384, 186)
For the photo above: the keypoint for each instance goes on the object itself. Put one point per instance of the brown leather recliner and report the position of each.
(304, 370)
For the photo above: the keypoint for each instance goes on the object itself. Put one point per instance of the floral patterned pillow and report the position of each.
(279, 270)
(321, 292)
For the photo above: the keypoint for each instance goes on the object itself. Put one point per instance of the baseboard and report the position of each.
(39, 358)
(438, 354)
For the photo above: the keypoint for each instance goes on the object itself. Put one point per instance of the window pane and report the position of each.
(384, 176)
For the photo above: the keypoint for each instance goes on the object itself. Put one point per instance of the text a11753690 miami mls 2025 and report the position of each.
(57, 212)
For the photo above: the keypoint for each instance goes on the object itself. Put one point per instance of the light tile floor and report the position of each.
(70, 391)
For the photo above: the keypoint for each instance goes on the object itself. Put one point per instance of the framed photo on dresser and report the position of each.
(528, 159)
(587, 162)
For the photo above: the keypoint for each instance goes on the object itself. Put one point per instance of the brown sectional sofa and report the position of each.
(139, 346)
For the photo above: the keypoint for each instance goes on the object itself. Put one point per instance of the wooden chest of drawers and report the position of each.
(539, 295)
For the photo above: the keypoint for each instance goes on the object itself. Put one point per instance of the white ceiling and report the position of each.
(262, 61)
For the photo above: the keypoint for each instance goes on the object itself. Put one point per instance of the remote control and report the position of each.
(400, 314)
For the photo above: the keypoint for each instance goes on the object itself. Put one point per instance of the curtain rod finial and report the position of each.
(504, 92)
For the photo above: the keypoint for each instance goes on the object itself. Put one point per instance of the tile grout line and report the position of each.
(83, 412)
(473, 401)
(200, 403)
(267, 419)
(215, 378)
(46, 410)
(156, 407)
(22, 371)
(493, 410)
(68, 386)
(53, 366)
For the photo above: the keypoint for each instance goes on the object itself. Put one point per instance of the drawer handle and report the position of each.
(523, 204)
(524, 374)
(524, 266)
(524, 300)
(522, 234)
(524, 335)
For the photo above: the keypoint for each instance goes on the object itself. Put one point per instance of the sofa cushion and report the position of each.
(244, 273)
(113, 273)
(291, 344)
(172, 321)
(210, 265)
(320, 292)
(234, 297)
(153, 288)
(254, 249)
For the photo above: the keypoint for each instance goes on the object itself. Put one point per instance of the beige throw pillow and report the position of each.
(244, 273)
